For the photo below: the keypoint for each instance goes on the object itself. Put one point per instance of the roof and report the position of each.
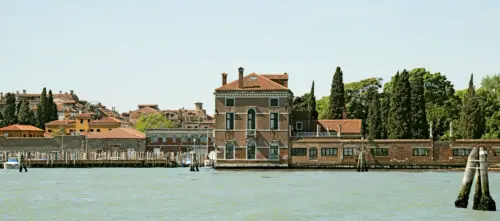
(254, 82)
(106, 120)
(85, 115)
(118, 133)
(276, 76)
(19, 127)
(349, 126)
(60, 123)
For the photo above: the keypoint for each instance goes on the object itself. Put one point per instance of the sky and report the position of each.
(172, 53)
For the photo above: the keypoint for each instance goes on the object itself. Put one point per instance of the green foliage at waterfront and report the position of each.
(412, 100)
(153, 121)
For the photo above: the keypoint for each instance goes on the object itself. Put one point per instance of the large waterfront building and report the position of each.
(252, 119)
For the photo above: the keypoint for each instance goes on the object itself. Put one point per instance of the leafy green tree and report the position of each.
(420, 126)
(374, 120)
(401, 108)
(471, 117)
(312, 104)
(9, 114)
(322, 105)
(337, 96)
(489, 99)
(358, 98)
(157, 120)
(24, 113)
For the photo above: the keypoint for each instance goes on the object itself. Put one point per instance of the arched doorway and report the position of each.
(229, 151)
(251, 149)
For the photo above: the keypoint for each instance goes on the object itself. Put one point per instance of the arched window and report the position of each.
(251, 151)
(251, 119)
(229, 152)
(313, 153)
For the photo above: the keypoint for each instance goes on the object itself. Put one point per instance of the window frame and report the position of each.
(379, 152)
(297, 125)
(230, 98)
(313, 153)
(254, 119)
(417, 152)
(461, 152)
(226, 151)
(274, 98)
(329, 151)
(277, 114)
(347, 151)
(232, 120)
(299, 152)
(274, 145)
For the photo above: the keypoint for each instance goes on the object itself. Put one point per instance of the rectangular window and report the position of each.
(497, 151)
(348, 151)
(274, 102)
(299, 152)
(81, 130)
(380, 151)
(88, 120)
(299, 125)
(420, 152)
(81, 121)
(50, 131)
(274, 121)
(274, 152)
(98, 130)
(328, 152)
(229, 102)
(91, 130)
(229, 121)
(461, 152)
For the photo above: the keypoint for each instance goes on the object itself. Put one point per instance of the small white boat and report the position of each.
(11, 164)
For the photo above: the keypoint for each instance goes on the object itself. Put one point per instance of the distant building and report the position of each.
(252, 119)
(183, 118)
(83, 124)
(18, 130)
(143, 109)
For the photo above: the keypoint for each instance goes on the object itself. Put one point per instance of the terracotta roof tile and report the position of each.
(118, 133)
(107, 120)
(349, 126)
(85, 115)
(60, 122)
(253, 82)
(276, 76)
(19, 127)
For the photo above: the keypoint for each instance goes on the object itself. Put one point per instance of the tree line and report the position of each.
(19, 111)
(409, 105)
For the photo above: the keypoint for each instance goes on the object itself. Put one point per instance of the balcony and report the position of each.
(326, 134)
(251, 132)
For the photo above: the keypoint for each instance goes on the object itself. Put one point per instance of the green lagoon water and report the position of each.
(177, 194)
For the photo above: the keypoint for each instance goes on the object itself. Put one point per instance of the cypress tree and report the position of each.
(374, 119)
(312, 104)
(32, 119)
(39, 117)
(404, 111)
(420, 126)
(44, 107)
(54, 112)
(9, 114)
(1, 120)
(393, 107)
(384, 115)
(337, 96)
(471, 117)
(50, 102)
(23, 115)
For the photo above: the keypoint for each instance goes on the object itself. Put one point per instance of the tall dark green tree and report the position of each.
(374, 119)
(471, 118)
(419, 127)
(39, 117)
(9, 114)
(24, 113)
(401, 109)
(1, 120)
(44, 105)
(393, 92)
(385, 106)
(337, 96)
(51, 113)
(312, 104)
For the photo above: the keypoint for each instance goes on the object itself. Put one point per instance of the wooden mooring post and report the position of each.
(194, 163)
(477, 166)
(362, 166)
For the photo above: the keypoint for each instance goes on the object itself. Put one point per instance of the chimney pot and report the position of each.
(71, 92)
(240, 77)
(60, 92)
(24, 91)
(224, 78)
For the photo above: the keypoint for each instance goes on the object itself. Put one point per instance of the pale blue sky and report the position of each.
(172, 52)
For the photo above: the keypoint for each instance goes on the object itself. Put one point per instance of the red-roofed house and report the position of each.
(18, 130)
(252, 120)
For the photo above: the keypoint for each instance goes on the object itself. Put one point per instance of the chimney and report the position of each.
(24, 91)
(339, 133)
(60, 92)
(285, 82)
(198, 105)
(1, 95)
(71, 92)
(17, 93)
(224, 78)
(240, 77)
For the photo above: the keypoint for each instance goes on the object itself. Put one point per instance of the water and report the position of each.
(177, 194)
